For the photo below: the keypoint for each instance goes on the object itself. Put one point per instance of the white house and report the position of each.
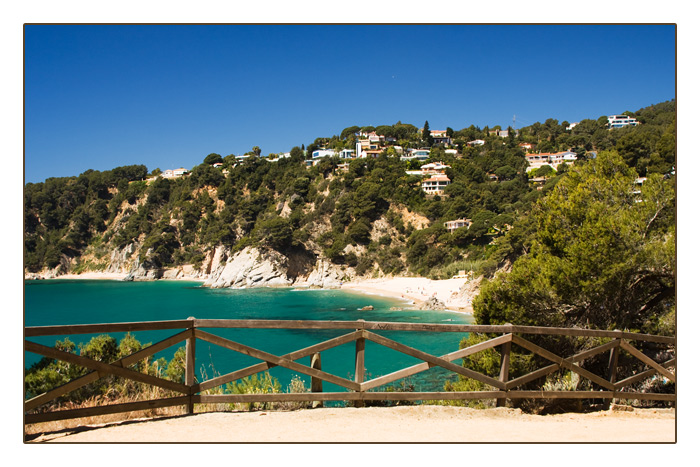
(451, 226)
(174, 173)
(440, 137)
(436, 184)
(536, 161)
(619, 121)
(346, 154)
(319, 153)
(419, 154)
(433, 168)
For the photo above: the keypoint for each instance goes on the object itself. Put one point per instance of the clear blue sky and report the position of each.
(98, 97)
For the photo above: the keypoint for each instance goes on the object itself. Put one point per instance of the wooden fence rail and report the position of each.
(357, 389)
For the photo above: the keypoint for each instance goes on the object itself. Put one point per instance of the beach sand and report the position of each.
(116, 276)
(415, 289)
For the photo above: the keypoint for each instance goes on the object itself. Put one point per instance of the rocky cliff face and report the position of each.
(248, 268)
(252, 267)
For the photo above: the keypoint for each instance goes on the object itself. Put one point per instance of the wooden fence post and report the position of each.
(505, 367)
(316, 383)
(359, 365)
(190, 365)
(612, 369)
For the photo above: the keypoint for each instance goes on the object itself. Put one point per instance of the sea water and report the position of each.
(59, 302)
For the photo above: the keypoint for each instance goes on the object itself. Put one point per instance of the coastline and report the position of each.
(415, 290)
(108, 276)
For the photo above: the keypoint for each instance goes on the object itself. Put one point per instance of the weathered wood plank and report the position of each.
(586, 354)
(190, 359)
(555, 367)
(275, 324)
(640, 356)
(433, 359)
(643, 375)
(94, 375)
(647, 396)
(104, 367)
(283, 362)
(316, 384)
(359, 365)
(544, 371)
(420, 367)
(264, 366)
(34, 331)
(559, 394)
(424, 396)
(505, 369)
(104, 410)
(561, 362)
(346, 396)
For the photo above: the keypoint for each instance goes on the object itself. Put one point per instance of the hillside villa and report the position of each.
(440, 137)
(619, 121)
(535, 161)
(343, 154)
(434, 168)
(416, 154)
(451, 226)
(435, 185)
(174, 173)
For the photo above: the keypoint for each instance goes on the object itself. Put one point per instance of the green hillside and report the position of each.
(366, 214)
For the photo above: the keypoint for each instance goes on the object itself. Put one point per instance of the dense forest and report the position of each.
(591, 244)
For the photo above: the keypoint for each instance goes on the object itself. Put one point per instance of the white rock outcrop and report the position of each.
(324, 275)
(250, 268)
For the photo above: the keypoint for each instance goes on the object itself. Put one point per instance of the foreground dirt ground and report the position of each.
(422, 424)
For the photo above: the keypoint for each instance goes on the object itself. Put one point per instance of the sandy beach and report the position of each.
(116, 276)
(416, 290)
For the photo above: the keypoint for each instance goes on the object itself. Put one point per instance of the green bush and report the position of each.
(254, 384)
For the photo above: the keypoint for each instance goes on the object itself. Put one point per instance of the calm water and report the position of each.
(55, 302)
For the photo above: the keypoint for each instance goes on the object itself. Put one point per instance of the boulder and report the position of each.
(433, 304)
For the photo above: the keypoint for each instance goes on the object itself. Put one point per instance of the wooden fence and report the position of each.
(356, 389)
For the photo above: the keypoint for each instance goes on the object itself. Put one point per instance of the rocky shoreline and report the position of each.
(251, 268)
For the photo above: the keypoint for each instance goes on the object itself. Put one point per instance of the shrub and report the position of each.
(265, 384)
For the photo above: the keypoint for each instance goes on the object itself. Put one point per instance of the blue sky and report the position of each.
(97, 97)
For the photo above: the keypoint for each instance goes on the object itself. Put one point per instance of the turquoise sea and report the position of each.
(56, 302)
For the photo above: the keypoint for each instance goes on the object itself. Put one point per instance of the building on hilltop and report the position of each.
(440, 137)
(503, 133)
(619, 121)
(174, 173)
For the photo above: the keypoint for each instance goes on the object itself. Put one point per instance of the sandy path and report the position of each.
(395, 424)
